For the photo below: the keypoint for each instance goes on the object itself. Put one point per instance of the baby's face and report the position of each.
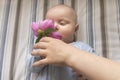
(64, 21)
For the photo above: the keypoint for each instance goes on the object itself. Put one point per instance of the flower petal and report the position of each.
(36, 34)
(35, 26)
(47, 24)
(56, 35)
(44, 25)
(41, 25)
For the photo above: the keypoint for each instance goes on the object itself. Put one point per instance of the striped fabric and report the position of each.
(99, 27)
(52, 72)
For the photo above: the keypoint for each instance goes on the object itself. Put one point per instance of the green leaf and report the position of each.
(48, 31)
(45, 33)
(38, 39)
(40, 35)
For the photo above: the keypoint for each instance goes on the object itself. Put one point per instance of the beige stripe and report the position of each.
(81, 12)
(23, 34)
(9, 42)
(22, 40)
(112, 29)
(97, 27)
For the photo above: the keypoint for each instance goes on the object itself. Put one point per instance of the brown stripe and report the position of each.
(34, 10)
(90, 22)
(73, 4)
(61, 1)
(14, 40)
(118, 17)
(103, 29)
(45, 7)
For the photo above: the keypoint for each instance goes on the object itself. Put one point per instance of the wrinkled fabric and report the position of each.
(52, 72)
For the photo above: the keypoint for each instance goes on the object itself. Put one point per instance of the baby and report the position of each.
(65, 20)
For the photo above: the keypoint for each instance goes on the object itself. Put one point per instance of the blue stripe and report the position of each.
(90, 22)
(31, 38)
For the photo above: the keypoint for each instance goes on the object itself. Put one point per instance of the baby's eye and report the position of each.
(62, 23)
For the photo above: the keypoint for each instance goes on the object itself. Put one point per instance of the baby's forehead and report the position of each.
(63, 7)
(63, 10)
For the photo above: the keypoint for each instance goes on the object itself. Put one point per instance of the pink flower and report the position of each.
(35, 28)
(56, 35)
(47, 24)
(45, 28)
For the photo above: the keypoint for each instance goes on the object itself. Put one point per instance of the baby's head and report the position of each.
(65, 19)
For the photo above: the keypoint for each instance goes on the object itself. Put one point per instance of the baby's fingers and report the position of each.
(41, 62)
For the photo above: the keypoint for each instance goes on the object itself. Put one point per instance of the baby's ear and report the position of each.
(76, 27)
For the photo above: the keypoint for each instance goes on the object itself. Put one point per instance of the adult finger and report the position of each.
(46, 39)
(38, 52)
(40, 45)
(41, 62)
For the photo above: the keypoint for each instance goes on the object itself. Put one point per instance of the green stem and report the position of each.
(38, 39)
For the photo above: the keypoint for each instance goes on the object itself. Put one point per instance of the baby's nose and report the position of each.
(56, 26)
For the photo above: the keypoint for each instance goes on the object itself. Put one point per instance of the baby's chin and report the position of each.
(67, 41)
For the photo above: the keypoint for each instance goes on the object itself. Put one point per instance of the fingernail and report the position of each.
(32, 52)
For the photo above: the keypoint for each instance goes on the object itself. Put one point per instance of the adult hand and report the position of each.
(54, 51)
